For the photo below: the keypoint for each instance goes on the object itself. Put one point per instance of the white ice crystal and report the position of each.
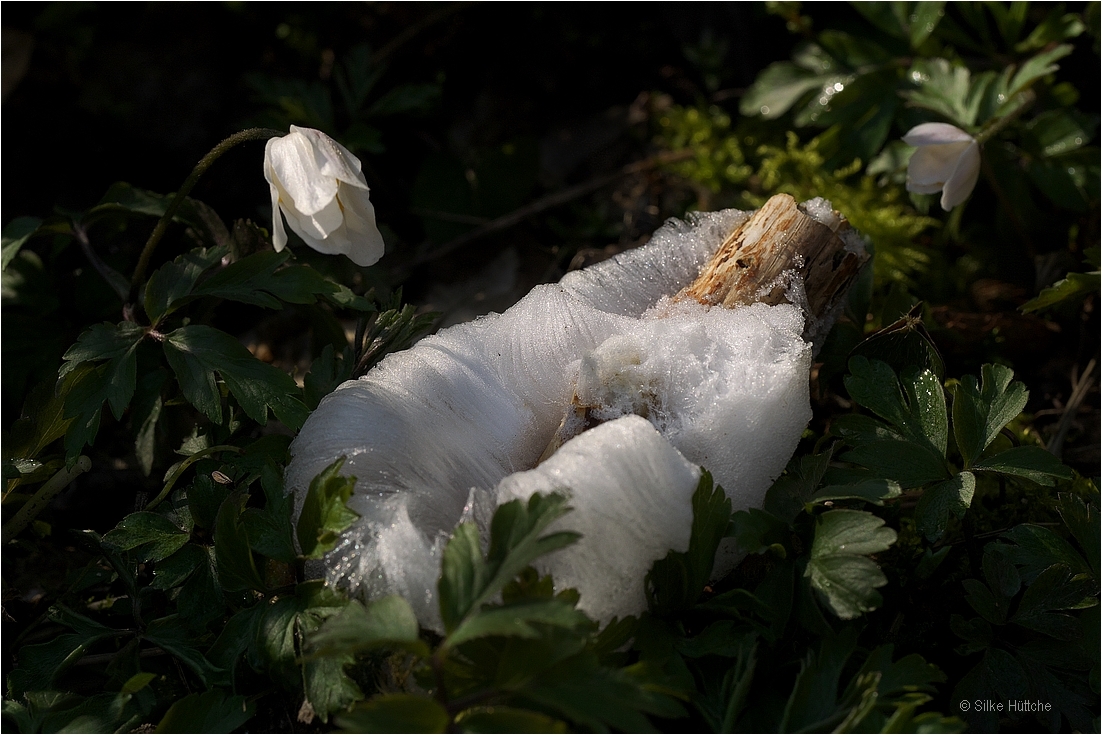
(466, 414)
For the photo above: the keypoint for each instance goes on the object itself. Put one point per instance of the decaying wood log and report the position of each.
(779, 238)
(758, 263)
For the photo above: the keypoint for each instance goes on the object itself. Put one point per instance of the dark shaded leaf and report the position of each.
(325, 513)
(172, 634)
(1033, 463)
(676, 581)
(904, 462)
(208, 712)
(14, 236)
(839, 568)
(385, 622)
(951, 498)
(171, 284)
(788, 494)
(396, 713)
(236, 567)
(1036, 548)
(196, 352)
(980, 411)
(467, 581)
(40, 664)
(157, 536)
(507, 719)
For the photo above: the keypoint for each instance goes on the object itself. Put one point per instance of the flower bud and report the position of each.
(947, 160)
(317, 184)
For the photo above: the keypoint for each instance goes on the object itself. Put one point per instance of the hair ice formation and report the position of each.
(449, 428)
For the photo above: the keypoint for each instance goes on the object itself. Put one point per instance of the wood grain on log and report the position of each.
(751, 264)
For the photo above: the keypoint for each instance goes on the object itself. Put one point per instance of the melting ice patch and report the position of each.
(471, 406)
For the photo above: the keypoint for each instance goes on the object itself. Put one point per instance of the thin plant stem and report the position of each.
(189, 184)
(43, 496)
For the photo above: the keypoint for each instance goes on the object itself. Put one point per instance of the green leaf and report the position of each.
(117, 344)
(14, 236)
(1055, 589)
(980, 411)
(814, 696)
(173, 635)
(406, 98)
(953, 497)
(468, 581)
(157, 536)
(326, 373)
(1033, 463)
(840, 569)
(1057, 26)
(41, 664)
(1040, 65)
(778, 88)
(201, 599)
(1074, 287)
(236, 637)
(173, 282)
(924, 20)
(946, 89)
(174, 570)
(236, 567)
(873, 491)
(1055, 132)
(507, 719)
(595, 697)
(918, 410)
(270, 529)
(207, 712)
(517, 620)
(196, 352)
(722, 638)
(145, 413)
(325, 512)
(1081, 519)
(1036, 548)
(676, 581)
(756, 531)
(904, 462)
(396, 713)
(786, 498)
(259, 279)
(386, 622)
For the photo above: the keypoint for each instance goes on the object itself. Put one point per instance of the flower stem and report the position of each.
(189, 183)
(42, 498)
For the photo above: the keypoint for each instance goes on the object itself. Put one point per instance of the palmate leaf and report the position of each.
(917, 409)
(325, 512)
(1033, 463)
(468, 581)
(214, 711)
(949, 498)
(786, 498)
(85, 387)
(840, 569)
(396, 713)
(153, 535)
(40, 664)
(518, 620)
(383, 623)
(172, 282)
(236, 566)
(982, 409)
(676, 581)
(196, 352)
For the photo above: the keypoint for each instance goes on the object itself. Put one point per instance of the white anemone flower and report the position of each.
(947, 160)
(318, 186)
(447, 430)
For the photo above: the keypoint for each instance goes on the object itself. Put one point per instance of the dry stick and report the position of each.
(1078, 393)
(42, 498)
(548, 202)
